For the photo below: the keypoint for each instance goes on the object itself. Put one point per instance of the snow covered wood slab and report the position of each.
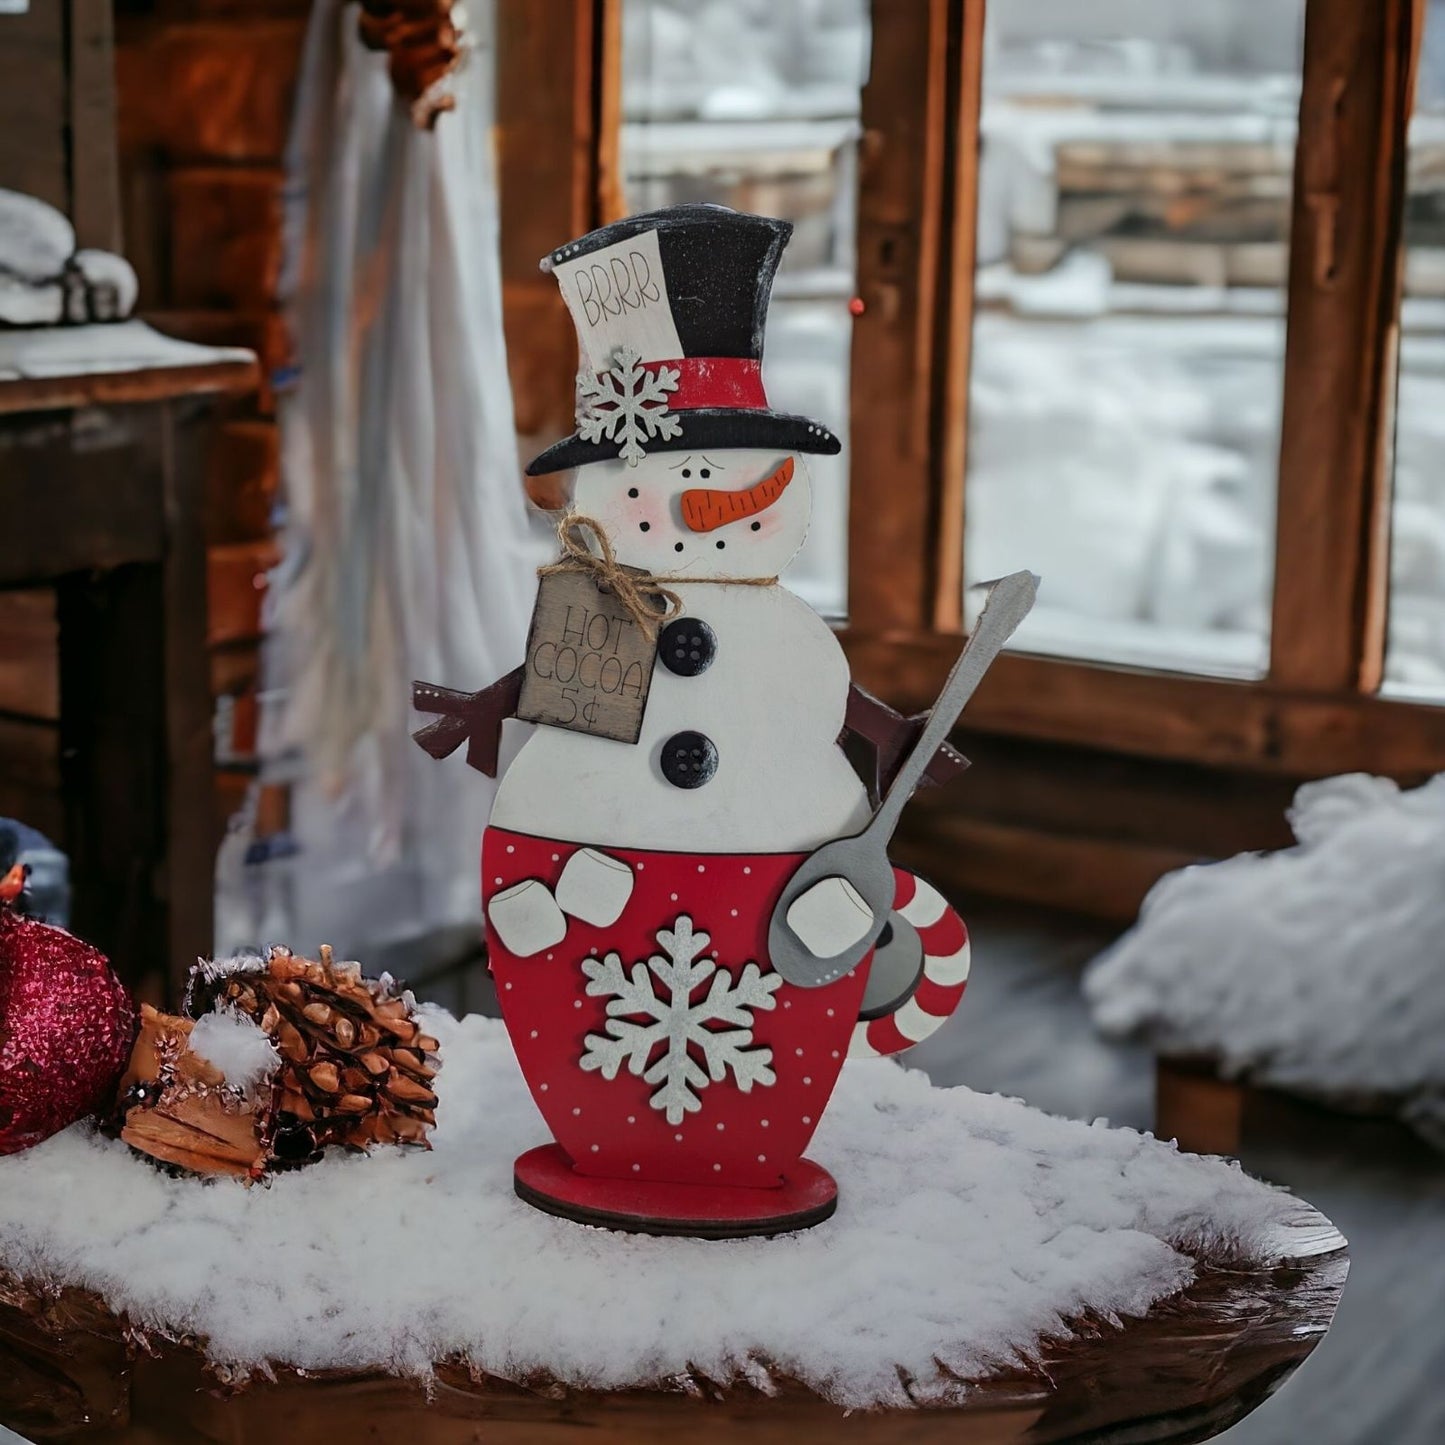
(1025, 1277)
(63, 366)
(1315, 970)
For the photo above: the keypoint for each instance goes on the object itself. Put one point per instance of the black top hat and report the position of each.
(669, 309)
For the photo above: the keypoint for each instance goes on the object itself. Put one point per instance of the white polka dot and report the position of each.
(576, 1003)
(678, 1137)
(701, 868)
(721, 1127)
(596, 1147)
(636, 1168)
(763, 1122)
(787, 1003)
(556, 857)
(511, 848)
(632, 1118)
(641, 866)
(735, 913)
(830, 1013)
(497, 881)
(550, 957)
(575, 1112)
(747, 870)
(534, 1033)
(807, 1080)
(717, 1168)
(835, 1053)
(542, 1087)
(807, 1119)
(762, 1158)
(508, 985)
(799, 1052)
(674, 897)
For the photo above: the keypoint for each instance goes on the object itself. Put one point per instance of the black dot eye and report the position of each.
(677, 546)
(757, 526)
(644, 526)
(686, 472)
(704, 474)
(721, 545)
(632, 491)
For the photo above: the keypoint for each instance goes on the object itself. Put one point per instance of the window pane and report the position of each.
(1128, 353)
(754, 104)
(1415, 645)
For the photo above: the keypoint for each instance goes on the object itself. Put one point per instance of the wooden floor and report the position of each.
(1379, 1378)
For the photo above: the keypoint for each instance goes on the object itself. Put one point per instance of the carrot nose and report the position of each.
(705, 509)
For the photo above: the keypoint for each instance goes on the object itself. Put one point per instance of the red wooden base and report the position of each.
(544, 1178)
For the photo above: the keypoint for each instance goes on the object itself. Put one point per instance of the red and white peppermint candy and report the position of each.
(945, 973)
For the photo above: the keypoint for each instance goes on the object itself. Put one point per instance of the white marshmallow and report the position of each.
(526, 918)
(830, 917)
(594, 887)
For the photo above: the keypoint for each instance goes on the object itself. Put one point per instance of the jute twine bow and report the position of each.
(649, 603)
(647, 599)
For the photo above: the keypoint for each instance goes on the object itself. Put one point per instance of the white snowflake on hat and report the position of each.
(686, 1029)
(627, 404)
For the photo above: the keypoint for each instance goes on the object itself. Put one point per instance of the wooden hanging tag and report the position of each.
(589, 664)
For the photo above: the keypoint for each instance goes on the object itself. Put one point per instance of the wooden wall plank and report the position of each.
(1331, 570)
(236, 585)
(29, 664)
(558, 76)
(902, 236)
(242, 476)
(225, 249)
(34, 101)
(208, 91)
(94, 179)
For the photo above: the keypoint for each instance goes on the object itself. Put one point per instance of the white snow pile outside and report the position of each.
(970, 1227)
(1318, 969)
(236, 1046)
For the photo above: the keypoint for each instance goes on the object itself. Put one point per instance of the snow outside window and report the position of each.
(1128, 353)
(754, 104)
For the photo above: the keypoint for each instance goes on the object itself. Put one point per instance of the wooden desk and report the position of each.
(102, 431)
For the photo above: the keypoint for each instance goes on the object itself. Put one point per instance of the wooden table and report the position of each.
(1191, 1368)
(102, 430)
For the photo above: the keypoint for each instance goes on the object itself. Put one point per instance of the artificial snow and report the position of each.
(1318, 969)
(235, 1045)
(969, 1228)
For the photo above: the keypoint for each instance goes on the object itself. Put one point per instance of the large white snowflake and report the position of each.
(694, 1052)
(627, 404)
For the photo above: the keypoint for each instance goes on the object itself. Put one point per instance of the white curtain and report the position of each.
(408, 549)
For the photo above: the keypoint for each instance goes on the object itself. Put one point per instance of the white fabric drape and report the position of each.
(408, 548)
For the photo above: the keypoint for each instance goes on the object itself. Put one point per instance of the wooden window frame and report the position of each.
(1318, 710)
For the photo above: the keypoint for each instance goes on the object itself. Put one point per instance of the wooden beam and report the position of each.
(94, 177)
(1252, 726)
(956, 342)
(558, 81)
(903, 237)
(1331, 569)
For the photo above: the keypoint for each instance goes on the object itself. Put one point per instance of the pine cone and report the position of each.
(351, 1066)
(356, 1067)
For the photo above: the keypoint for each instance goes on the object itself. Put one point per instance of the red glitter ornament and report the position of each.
(66, 1025)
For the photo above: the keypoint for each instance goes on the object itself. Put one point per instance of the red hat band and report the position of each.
(734, 382)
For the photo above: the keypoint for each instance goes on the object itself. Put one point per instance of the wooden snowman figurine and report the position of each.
(643, 843)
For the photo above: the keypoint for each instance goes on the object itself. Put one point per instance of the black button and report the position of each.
(688, 760)
(687, 646)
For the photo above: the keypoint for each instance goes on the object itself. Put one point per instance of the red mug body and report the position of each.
(744, 1124)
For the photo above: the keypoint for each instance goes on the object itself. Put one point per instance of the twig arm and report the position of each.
(473, 716)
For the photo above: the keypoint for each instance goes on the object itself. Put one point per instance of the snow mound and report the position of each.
(1319, 969)
(970, 1227)
(236, 1046)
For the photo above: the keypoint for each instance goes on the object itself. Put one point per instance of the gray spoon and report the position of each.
(862, 860)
